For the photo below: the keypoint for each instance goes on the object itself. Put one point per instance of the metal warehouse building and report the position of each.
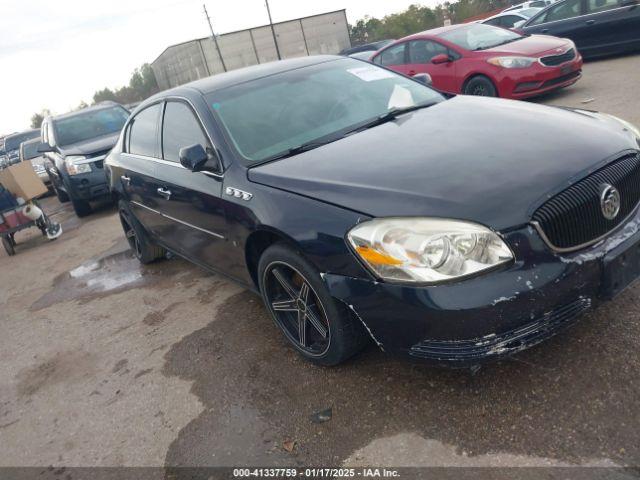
(317, 34)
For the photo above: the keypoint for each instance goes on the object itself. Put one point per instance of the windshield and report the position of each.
(12, 142)
(274, 114)
(30, 150)
(90, 124)
(479, 36)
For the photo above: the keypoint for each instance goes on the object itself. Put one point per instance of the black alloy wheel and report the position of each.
(143, 248)
(130, 233)
(297, 308)
(480, 86)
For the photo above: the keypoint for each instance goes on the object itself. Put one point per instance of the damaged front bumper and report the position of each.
(498, 314)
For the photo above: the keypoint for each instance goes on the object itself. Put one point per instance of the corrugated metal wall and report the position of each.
(326, 33)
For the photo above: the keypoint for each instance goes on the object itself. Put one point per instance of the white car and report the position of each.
(530, 4)
(511, 19)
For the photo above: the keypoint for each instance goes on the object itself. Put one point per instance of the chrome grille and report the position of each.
(573, 218)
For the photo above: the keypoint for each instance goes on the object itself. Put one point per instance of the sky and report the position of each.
(56, 53)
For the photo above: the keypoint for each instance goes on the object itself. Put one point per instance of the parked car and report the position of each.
(362, 55)
(477, 59)
(29, 153)
(526, 5)
(76, 144)
(361, 203)
(368, 47)
(12, 144)
(598, 27)
(511, 19)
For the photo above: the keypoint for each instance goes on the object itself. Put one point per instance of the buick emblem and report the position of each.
(609, 201)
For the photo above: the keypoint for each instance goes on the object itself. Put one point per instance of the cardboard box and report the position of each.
(21, 180)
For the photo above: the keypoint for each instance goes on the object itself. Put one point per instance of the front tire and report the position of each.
(141, 246)
(81, 207)
(480, 86)
(318, 327)
(62, 196)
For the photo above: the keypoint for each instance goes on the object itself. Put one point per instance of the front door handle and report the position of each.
(590, 22)
(126, 180)
(164, 193)
(544, 30)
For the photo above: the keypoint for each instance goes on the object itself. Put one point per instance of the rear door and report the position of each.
(421, 52)
(563, 19)
(393, 57)
(191, 202)
(137, 176)
(611, 24)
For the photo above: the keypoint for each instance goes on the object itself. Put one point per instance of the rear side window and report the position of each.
(180, 129)
(143, 132)
(509, 21)
(595, 6)
(391, 56)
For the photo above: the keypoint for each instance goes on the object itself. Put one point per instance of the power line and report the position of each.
(215, 39)
(273, 32)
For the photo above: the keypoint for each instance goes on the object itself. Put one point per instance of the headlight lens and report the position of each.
(512, 62)
(427, 250)
(73, 168)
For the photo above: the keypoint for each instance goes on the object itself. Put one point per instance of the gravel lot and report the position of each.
(104, 362)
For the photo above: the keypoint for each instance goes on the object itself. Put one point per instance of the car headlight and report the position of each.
(73, 168)
(512, 62)
(427, 250)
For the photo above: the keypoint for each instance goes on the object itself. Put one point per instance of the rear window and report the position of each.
(90, 124)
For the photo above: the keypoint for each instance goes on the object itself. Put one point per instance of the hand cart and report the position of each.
(8, 233)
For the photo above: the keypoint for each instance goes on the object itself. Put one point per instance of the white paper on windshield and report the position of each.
(400, 98)
(370, 74)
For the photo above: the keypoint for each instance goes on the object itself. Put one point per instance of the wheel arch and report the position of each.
(475, 74)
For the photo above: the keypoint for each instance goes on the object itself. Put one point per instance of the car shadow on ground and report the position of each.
(571, 398)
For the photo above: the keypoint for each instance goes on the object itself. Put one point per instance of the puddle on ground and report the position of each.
(110, 274)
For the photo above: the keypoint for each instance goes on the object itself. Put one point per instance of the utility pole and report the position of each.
(273, 32)
(213, 36)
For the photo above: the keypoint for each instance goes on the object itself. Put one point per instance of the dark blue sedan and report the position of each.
(597, 27)
(364, 206)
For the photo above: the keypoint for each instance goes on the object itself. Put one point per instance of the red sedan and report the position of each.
(478, 59)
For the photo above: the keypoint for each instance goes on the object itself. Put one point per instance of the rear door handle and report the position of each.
(126, 180)
(590, 22)
(165, 193)
(545, 30)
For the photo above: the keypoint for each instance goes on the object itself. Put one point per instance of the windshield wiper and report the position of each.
(498, 44)
(379, 120)
(388, 116)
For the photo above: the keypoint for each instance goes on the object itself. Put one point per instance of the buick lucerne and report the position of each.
(363, 205)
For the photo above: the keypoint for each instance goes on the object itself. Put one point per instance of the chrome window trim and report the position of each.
(556, 249)
(577, 16)
(204, 230)
(169, 164)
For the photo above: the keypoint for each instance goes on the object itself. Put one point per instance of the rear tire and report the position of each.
(303, 309)
(141, 245)
(8, 246)
(480, 86)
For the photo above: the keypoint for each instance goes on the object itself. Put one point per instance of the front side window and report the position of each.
(86, 125)
(269, 116)
(422, 51)
(180, 129)
(479, 36)
(596, 6)
(564, 11)
(391, 56)
(142, 137)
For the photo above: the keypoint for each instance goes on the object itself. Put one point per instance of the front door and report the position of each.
(565, 20)
(443, 75)
(611, 24)
(191, 202)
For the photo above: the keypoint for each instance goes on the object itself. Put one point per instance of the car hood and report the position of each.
(486, 160)
(91, 146)
(534, 45)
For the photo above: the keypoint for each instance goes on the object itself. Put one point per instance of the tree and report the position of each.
(37, 118)
(142, 84)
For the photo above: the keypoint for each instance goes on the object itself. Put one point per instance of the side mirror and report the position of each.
(44, 148)
(440, 59)
(423, 78)
(197, 159)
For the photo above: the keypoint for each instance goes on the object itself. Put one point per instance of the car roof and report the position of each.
(246, 74)
(435, 32)
(99, 106)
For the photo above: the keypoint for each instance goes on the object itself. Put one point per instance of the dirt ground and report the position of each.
(107, 363)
